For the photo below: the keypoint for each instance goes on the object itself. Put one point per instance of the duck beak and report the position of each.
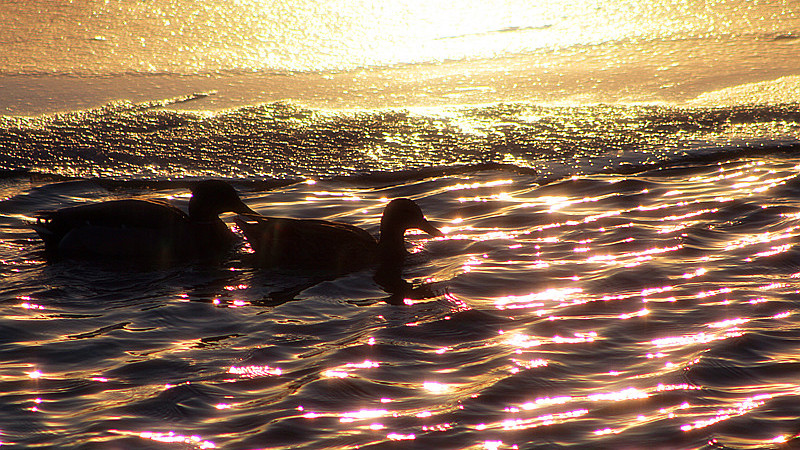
(430, 229)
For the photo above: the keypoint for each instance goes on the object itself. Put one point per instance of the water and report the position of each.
(618, 183)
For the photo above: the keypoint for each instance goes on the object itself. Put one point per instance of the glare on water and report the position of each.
(610, 276)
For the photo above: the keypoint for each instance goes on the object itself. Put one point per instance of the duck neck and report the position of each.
(391, 254)
(209, 233)
(391, 245)
(199, 214)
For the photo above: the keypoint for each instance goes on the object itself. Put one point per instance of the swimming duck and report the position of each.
(334, 247)
(148, 230)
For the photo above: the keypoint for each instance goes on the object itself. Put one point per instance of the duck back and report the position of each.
(140, 229)
(308, 244)
(150, 231)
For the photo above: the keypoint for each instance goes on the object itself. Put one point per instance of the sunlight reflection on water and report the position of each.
(641, 305)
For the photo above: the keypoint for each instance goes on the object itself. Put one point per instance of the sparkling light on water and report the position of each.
(256, 371)
(219, 35)
(170, 437)
(600, 310)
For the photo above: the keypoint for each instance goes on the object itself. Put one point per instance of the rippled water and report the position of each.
(626, 306)
(618, 183)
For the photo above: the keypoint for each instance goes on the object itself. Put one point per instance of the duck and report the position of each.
(139, 229)
(333, 247)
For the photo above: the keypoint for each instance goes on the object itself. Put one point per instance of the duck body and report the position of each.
(147, 230)
(309, 244)
(332, 247)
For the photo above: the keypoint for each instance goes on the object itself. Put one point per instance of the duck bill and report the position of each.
(430, 229)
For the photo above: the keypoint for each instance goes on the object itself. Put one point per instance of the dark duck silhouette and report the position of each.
(336, 248)
(143, 230)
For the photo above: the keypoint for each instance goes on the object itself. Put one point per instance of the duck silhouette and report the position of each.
(144, 230)
(336, 248)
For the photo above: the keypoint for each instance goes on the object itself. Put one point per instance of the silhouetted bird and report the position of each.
(148, 230)
(335, 248)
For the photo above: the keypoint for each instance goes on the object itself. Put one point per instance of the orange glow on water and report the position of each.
(323, 195)
(335, 374)
(530, 364)
(676, 387)
(27, 305)
(728, 413)
(698, 338)
(606, 431)
(537, 299)
(345, 370)
(476, 185)
(364, 414)
(728, 323)
(236, 287)
(625, 394)
(643, 255)
(697, 273)
(593, 346)
(546, 401)
(367, 364)
(524, 341)
(492, 445)
(170, 437)
(773, 286)
(540, 421)
(688, 215)
(641, 313)
(503, 196)
(401, 437)
(255, 371)
(438, 427)
(435, 387)
(761, 238)
(714, 292)
(775, 250)
(579, 338)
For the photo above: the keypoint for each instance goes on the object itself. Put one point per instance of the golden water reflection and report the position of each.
(720, 415)
(169, 437)
(255, 371)
(543, 325)
(345, 370)
(535, 422)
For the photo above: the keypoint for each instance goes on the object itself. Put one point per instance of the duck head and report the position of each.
(210, 198)
(402, 214)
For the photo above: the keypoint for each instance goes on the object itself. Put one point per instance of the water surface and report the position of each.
(617, 183)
